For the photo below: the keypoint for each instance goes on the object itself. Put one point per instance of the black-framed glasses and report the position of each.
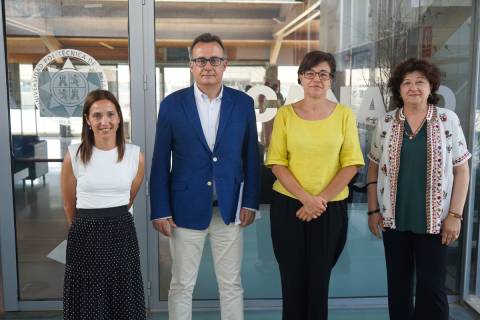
(202, 61)
(322, 75)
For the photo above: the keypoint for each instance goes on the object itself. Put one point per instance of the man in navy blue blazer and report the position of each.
(205, 168)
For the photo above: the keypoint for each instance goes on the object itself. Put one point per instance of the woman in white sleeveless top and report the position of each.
(100, 178)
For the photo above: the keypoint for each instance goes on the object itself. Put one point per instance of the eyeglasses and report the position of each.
(202, 61)
(322, 75)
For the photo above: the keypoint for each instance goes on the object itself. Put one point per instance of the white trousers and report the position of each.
(186, 247)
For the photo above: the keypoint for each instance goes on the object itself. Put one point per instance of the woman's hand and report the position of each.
(314, 204)
(451, 225)
(313, 207)
(304, 216)
(68, 187)
(450, 229)
(375, 223)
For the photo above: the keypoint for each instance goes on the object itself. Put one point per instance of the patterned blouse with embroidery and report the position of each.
(446, 148)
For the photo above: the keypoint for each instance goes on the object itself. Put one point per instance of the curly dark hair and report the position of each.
(313, 58)
(428, 69)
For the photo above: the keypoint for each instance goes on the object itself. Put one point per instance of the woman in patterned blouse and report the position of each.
(417, 185)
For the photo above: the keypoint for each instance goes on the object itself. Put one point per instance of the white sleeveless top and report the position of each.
(104, 182)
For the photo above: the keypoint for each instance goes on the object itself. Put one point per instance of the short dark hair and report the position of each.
(207, 38)
(428, 69)
(313, 58)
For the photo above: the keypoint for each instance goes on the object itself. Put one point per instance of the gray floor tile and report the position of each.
(457, 312)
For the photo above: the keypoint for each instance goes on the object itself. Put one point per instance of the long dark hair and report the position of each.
(86, 147)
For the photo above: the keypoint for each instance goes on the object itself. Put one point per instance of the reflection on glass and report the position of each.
(175, 79)
(247, 30)
(474, 280)
(264, 45)
(37, 29)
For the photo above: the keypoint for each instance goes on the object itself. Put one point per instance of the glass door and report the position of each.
(265, 41)
(56, 53)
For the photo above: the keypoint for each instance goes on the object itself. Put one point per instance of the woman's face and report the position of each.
(415, 89)
(317, 81)
(104, 120)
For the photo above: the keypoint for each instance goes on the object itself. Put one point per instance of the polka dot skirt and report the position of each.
(103, 280)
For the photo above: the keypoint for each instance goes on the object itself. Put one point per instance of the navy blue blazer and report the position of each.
(184, 168)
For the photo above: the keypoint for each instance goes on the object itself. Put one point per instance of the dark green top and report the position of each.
(410, 209)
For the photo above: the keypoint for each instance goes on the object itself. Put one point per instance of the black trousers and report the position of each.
(306, 253)
(423, 255)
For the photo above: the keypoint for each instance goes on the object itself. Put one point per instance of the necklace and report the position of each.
(411, 134)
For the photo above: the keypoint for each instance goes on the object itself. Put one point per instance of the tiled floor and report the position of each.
(457, 312)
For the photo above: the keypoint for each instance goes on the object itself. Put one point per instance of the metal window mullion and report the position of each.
(469, 212)
(149, 61)
(475, 108)
(137, 102)
(7, 213)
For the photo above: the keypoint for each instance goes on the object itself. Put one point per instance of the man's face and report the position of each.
(207, 75)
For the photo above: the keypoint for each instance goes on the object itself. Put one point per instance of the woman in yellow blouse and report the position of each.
(314, 153)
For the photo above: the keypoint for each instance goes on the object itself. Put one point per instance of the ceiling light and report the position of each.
(93, 5)
(106, 45)
(237, 1)
(24, 26)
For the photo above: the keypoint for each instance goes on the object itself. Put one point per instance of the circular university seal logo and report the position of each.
(59, 89)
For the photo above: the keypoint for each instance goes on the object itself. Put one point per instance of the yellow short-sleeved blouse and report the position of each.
(314, 150)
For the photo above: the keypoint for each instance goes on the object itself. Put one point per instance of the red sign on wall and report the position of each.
(427, 42)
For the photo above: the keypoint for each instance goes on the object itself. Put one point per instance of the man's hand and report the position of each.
(246, 217)
(165, 226)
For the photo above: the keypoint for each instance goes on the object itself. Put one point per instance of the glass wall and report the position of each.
(247, 29)
(57, 52)
(475, 278)
(474, 288)
(265, 43)
(368, 39)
